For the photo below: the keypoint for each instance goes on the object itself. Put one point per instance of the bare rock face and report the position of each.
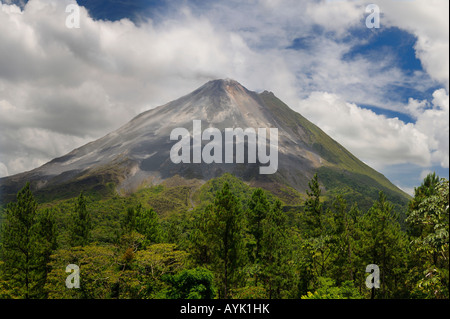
(138, 153)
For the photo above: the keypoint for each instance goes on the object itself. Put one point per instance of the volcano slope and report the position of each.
(137, 154)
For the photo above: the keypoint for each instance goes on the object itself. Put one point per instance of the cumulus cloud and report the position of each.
(428, 20)
(324, 29)
(61, 87)
(434, 122)
(382, 141)
(376, 139)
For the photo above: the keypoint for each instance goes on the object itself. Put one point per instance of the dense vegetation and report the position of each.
(225, 239)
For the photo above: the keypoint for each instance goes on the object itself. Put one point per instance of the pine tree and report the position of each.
(27, 240)
(45, 242)
(314, 209)
(147, 224)
(258, 208)
(225, 231)
(128, 223)
(384, 245)
(276, 252)
(200, 237)
(316, 231)
(344, 239)
(80, 232)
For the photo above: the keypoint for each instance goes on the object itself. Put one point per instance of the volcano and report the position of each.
(138, 154)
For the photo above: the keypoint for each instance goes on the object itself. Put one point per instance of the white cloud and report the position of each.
(377, 140)
(428, 20)
(320, 66)
(432, 119)
(336, 16)
(434, 122)
(60, 87)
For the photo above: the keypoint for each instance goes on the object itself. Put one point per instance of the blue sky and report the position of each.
(380, 92)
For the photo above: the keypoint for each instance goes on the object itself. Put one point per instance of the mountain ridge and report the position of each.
(137, 153)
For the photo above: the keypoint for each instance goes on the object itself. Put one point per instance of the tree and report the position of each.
(201, 246)
(344, 239)
(257, 210)
(46, 243)
(81, 223)
(27, 240)
(140, 221)
(128, 222)
(427, 189)
(194, 283)
(327, 289)
(429, 216)
(156, 263)
(317, 230)
(276, 253)
(258, 207)
(221, 240)
(314, 209)
(98, 272)
(147, 224)
(384, 244)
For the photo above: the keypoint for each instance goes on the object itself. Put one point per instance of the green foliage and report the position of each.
(360, 188)
(225, 239)
(143, 221)
(207, 193)
(147, 224)
(80, 232)
(327, 289)
(178, 228)
(194, 283)
(276, 264)
(27, 239)
(258, 207)
(341, 169)
(166, 200)
(249, 292)
(427, 189)
(428, 216)
(385, 245)
(97, 275)
(316, 231)
(103, 275)
(153, 264)
(346, 237)
(314, 209)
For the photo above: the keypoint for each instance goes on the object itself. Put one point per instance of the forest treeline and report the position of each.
(230, 248)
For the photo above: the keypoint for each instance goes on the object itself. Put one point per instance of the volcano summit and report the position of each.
(139, 153)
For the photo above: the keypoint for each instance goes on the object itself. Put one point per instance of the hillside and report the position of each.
(137, 155)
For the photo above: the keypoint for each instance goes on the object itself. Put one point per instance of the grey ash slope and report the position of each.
(137, 154)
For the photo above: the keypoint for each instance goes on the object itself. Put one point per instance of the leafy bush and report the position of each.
(194, 283)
